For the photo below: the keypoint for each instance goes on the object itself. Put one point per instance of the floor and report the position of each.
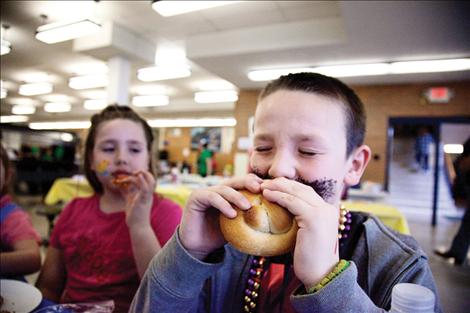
(453, 282)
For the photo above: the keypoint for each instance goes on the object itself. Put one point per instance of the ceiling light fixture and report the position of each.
(23, 109)
(95, 104)
(62, 31)
(453, 148)
(150, 101)
(215, 96)
(6, 45)
(193, 122)
(353, 70)
(34, 89)
(13, 119)
(371, 69)
(88, 82)
(430, 66)
(155, 73)
(60, 125)
(57, 107)
(170, 8)
(67, 137)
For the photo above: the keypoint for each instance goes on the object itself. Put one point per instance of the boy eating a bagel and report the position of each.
(308, 146)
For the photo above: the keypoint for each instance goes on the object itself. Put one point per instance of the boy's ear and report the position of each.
(357, 161)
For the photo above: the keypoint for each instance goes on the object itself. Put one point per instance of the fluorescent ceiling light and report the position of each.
(88, 82)
(170, 8)
(202, 122)
(34, 89)
(353, 70)
(6, 47)
(214, 84)
(95, 104)
(62, 31)
(3, 93)
(453, 148)
(216, 96)
(57, 107)
(22, 109)
(370, 69)
(67, 137)
(264, 75)
(155, 73)
(61, 125)
(13, 118)
(150, 101)
(430, 66)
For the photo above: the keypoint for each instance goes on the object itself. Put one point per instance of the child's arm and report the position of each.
(139, 200)
(24, 259)
(51, 280)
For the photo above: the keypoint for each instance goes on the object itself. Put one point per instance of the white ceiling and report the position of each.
(227, 42)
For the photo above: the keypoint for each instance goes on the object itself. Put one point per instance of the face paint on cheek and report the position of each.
(102, 168)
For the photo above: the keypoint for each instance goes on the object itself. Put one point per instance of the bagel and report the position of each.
(266, 229)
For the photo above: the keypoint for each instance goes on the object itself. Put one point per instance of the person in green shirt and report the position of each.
(204, 160)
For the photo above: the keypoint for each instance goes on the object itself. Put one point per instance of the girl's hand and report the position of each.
(316, 251)
(139, 198)
(199, 230)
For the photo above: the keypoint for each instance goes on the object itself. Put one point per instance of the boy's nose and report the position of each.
(283, 165)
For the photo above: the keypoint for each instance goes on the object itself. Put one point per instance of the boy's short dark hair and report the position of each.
(110, 113)
(355, 115)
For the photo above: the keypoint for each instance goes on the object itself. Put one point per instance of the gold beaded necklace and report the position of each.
(259, 264)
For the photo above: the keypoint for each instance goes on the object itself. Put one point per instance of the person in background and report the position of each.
(19, 241)
(204, 160)
(308, 145)
(422, 144)
(461, 194)
(101, 245)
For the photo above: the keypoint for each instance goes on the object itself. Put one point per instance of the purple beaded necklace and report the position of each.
(259, 264)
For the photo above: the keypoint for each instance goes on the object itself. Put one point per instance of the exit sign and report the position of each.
(438, 94)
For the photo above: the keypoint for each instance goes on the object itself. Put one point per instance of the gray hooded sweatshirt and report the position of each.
(380, 258)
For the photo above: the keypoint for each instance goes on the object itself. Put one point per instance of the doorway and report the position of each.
(411, 186)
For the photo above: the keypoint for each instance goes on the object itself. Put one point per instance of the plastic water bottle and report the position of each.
(412, 298)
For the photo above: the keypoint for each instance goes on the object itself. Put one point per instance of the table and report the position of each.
(389, 215)
(65, 189)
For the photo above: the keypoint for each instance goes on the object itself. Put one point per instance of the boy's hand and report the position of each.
(199, 230)
(317, 249)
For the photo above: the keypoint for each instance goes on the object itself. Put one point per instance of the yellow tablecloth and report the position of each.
(65, 189)
(389, 215)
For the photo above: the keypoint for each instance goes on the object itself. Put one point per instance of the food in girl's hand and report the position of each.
(121, 181)
(266, 229)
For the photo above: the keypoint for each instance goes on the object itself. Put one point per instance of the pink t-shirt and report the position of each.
(97, 249)
(16, 226)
